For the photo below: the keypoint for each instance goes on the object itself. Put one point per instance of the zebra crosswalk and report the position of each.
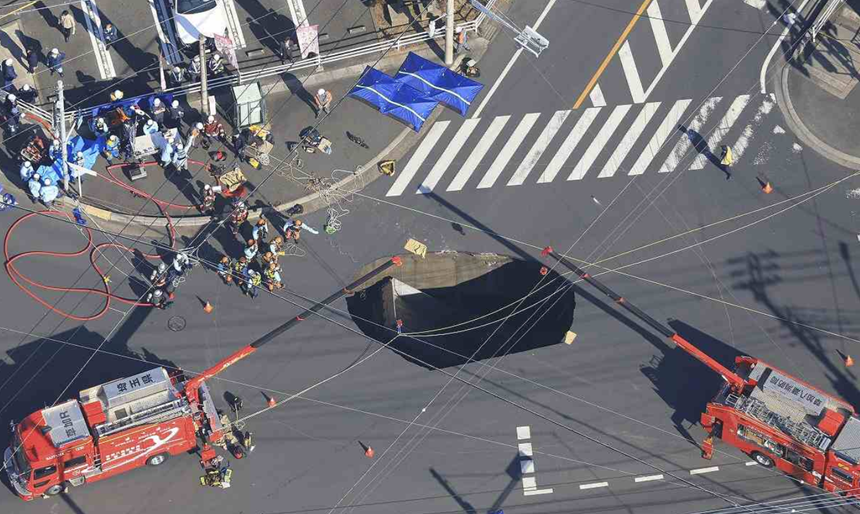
(605, 142)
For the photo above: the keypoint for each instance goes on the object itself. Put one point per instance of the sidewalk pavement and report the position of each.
(816, 88)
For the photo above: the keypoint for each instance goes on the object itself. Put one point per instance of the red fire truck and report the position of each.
(775, 418)
(130, 422)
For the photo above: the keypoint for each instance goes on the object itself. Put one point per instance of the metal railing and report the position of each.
(823, 16)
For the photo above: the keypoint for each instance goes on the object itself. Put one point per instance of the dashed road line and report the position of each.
(594, 485)
(751, 463)
(524, 432)
(702, 471)
(649, 478)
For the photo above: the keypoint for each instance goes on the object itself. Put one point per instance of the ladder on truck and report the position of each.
(801, 431)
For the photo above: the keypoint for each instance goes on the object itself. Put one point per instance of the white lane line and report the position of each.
(630, 73)
(168, 42)
(418, 158)
(527, 466)
(764, 66)
(569, 144)
(511, 146)
(529, 483)
(478, 153)
(524, 432)
(234, 24)
(718, 133)
(684, 142)
(756, 4)
(649, 478)
(629, 139)
(525, 449)
(751, 463)
(702, 471)
(538, 491)
(596, 96)
(599, 142)
(447, 156)
(595, 485)
(666, 128)
(695, 10)
(538, 148)
(94, 28)
(510, 64)
(678, 48)
(743, 141)
(660, 34)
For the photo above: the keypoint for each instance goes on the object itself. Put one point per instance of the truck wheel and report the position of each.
(157, 460)
(763, 459)
(55, 489)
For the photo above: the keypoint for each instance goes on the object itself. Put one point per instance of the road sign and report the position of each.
(309, 42)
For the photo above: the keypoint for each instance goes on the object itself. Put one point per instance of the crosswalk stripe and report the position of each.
(478, 153)
(596, 96)
(94, 28)
(721, 130)
(684, 143)
(447, 157)
(169, 48)
(666, 128)
(511, 146)
(740, 146)
(630, 73)
(695, 10)
(599, 142)
(538, 148)
(569, 145)
(660, 34)
(418, 158)
(629, 139)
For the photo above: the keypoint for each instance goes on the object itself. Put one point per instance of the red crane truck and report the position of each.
(128, 423)
(775, 418)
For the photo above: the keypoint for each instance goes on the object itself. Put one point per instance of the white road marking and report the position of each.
(649, 478)
(752, 462)
(595, 485)
(629, 139)
(538, 148)
(718, 133)
(678, 48)
(447, 157)
(764, 66)
(743, 141)
(417, 158)
(234, 25)
(510, 63)
(695, 10)
(529, 483)
(478, 153)
(660, 34)
(511, 146)
(297, 11)
(684, 142)
(525, 449)
(168, 42)
(569, 144)
(599, 142)
(527, 466)
(538, 491)
(524, 432)
(94, 28)
(702, 471)
(667, 127)
(596, 96)
(630, 73)
(756, 4)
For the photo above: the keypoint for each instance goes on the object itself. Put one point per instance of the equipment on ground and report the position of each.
(135, 421)
(777, 419)
(35, 151)
(312, 141)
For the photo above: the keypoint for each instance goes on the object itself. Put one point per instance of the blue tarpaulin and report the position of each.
(438, 82)
(90, 148)
(394, 98)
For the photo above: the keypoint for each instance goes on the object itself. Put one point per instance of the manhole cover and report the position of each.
(176, 323)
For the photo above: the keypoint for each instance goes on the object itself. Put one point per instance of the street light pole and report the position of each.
(61, 115)
(449, 34)
(204, 90)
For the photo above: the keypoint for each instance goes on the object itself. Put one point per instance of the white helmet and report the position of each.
(47, 182)
(210, 119)
(54, 51)
(12, 97)
(157, 293)
(198, 126)
(118, 94)
(175, 104)
(177, 69)
(321, 92)
(251, 273)
(8, 62)
(156, 102)
(196, 58)
(113, 138)
(206, 187)
(37, 177)
(216, 57)
(26, 87)
(80, 155)
(28, 164)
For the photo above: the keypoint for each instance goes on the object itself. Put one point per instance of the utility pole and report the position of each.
(60, 114)
(449, 33)
(204, 90)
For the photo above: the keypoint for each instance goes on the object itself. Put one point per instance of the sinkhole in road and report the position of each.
(457, 307)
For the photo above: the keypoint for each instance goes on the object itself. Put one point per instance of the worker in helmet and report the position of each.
(240, 269)
(28, 94)
(35, 186)
(224, 270)
(157, 110)
(9, 73)
(175, 114)
(238, 215)
(158, 277)
(261, 230)
(109, 33)
(251, 250)
(293, 229)
(196, 69)
(13, 114)
(207, 205)
(117, 95)
(55, 152)
(111, 150)
(159, 298)
(176, 76)
(99, 127)
(49, 193)
(272, 274)
(216, 65)
(27, 171)
(253, 281)
(213, 129)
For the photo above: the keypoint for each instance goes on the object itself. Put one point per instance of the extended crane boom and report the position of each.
(736, 382)
(192, 386)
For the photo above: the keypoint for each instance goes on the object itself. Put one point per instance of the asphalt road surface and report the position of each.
(611, 419)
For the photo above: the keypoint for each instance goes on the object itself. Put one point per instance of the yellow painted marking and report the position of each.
(106, 279)
(612, 53)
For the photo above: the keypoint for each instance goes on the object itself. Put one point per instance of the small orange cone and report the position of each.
(368, 451)
(171, 296)
(849, 361)
(768, 189)
(208, 308)
(544, 270)
(272, 403)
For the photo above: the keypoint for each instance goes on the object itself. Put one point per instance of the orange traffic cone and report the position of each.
(849, 361)
(544, 270)
(768, 189)
(368, 451)
(208, 308)
(272, 403)
(171, 296)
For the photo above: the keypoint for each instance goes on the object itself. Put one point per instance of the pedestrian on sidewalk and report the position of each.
(460, 39)
(67, 25)
(55, 61)
(261, 230)
(9, 73)
(322, 101)
(287, 50)
(224, 268)
(109, 33)
(33, 58)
